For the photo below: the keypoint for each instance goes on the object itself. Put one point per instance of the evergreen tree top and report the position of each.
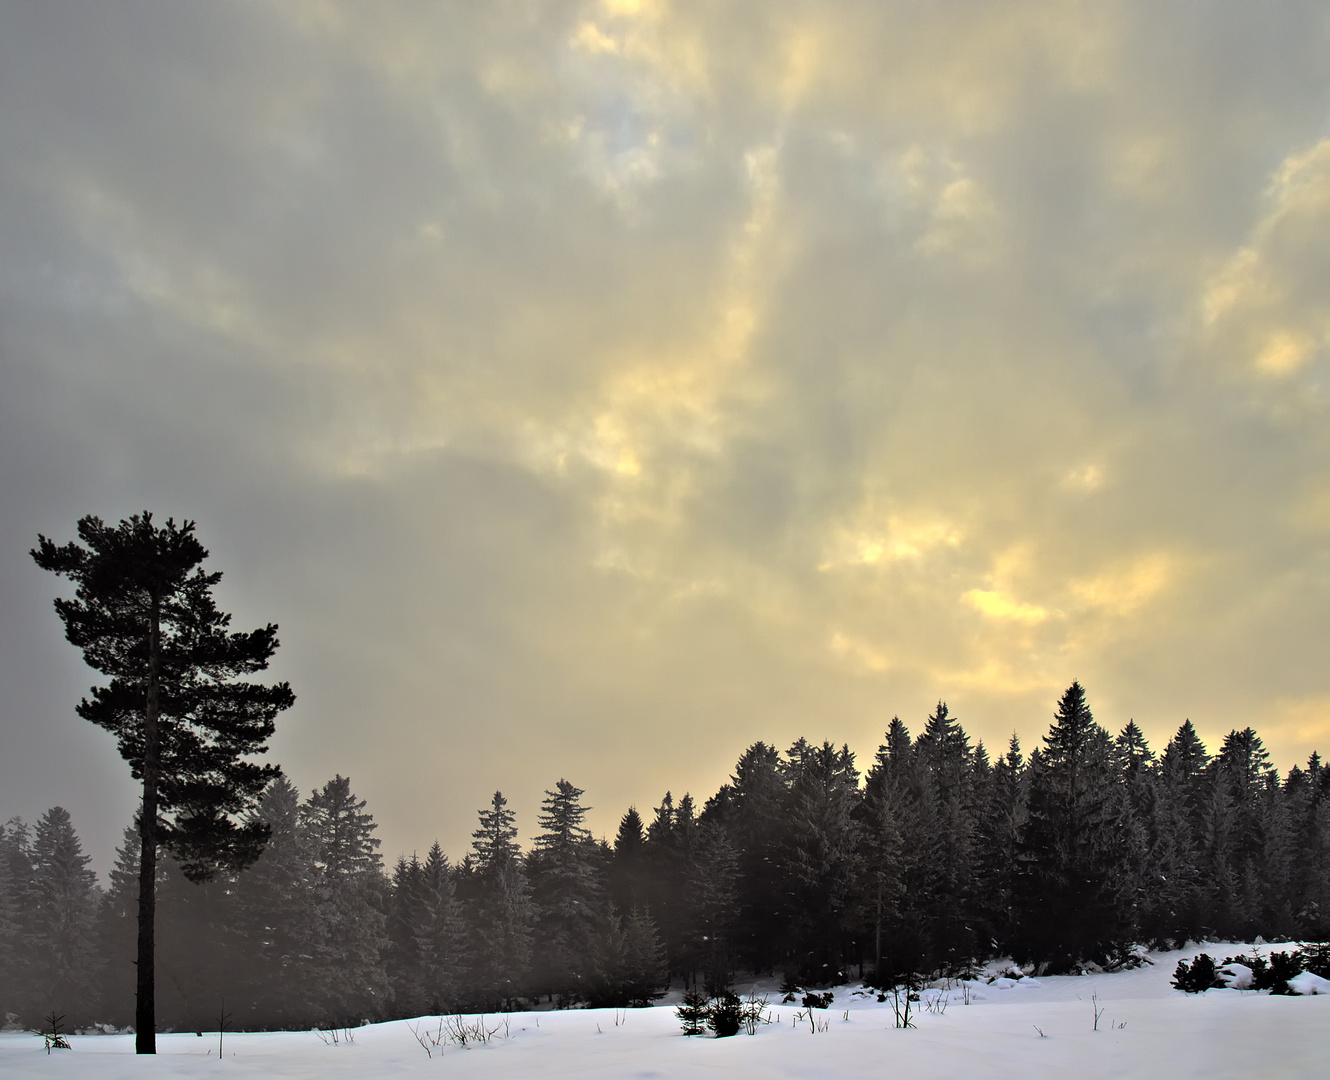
(662, 824)
(1013, 758)
(1185, 756)
(1074, 728)
(561, 818)
(1131, 750)
(756, 773)
(342, 833)
(1244, 761)
(631, 836)
(495, 841)
(943, 734)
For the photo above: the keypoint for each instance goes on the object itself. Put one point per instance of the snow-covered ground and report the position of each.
(1031, 1028)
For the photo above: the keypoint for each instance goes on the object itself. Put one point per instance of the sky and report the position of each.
(591, 389)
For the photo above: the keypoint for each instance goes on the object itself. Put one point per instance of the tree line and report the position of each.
(937, 857)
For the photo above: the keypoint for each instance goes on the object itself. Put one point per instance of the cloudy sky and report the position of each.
(591, 389)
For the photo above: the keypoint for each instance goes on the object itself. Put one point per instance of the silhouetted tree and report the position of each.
(143, 614)
(499, 910)
(565, 874)
(1069, 878)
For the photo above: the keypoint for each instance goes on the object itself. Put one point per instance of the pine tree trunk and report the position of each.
(145, 1010)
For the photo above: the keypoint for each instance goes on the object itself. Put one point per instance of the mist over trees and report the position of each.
(800, 866)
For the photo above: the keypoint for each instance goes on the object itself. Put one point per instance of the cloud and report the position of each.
(591, 389)
(1261, 309)
(998, 605)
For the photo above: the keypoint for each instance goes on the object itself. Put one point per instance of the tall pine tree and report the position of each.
(565, 873)
(499, 910)
(1068, 885)
(186, 721)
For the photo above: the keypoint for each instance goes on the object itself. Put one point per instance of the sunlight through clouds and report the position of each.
(612, 377)
(1265, 302)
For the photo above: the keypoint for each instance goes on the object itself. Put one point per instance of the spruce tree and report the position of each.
(61, 935)
(351, 898)
(566, 888)
(1309, 814)
(645, 972)
(499, 910)
(669, 841)
(276, 918)
(408, 918)
(711, 877)
(9, 932)
(1070, 858)
(143, 613)
(18, 902)
(628, 872)
(443, 940)
(1134, 801)
(882, 849)
(998, 827)
(824, 853)
(1177, 908)
(605, 982)
(947, 768)
(759, 831)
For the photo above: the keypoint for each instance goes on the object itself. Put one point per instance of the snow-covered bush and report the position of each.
(1235, 975)
(1274, 973)
(1308, 983)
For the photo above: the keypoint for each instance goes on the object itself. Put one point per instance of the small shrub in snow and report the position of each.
(1316, 959)
(726, 1015)
(1283, 966)
(54, 1032)
(755, 1013)
(462, 1032)
(694, 1011)
(1198, 976)
(901, 998)
(818, 1001)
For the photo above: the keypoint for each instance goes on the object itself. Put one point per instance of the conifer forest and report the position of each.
(808, 864)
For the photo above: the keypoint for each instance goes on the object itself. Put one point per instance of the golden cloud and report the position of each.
(1264, 308)
(998, 605)
(1124, 589)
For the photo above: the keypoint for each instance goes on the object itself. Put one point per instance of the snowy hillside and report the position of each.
(1024, 1029)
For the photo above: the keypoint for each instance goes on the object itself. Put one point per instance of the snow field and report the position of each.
(1146, 1029)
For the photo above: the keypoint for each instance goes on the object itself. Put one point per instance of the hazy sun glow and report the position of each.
(590, 389)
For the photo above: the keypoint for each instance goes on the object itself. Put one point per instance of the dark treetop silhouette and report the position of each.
(143, 614)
